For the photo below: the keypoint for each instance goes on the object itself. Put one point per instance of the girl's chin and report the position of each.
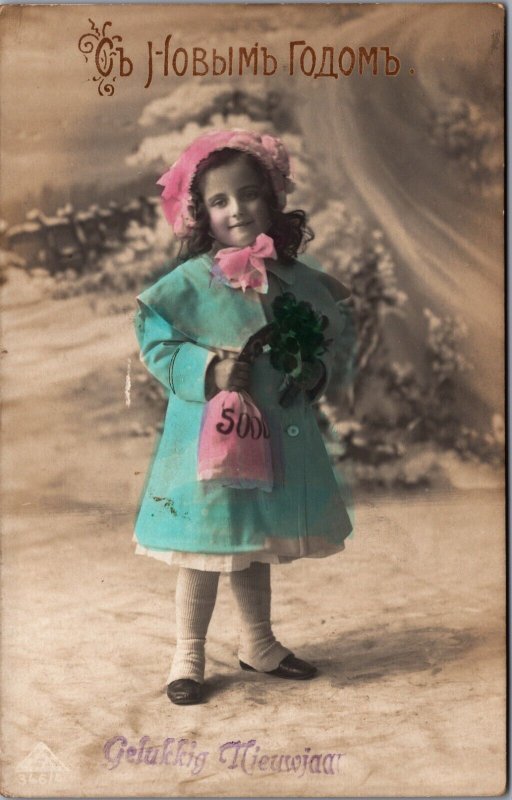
(240, 240)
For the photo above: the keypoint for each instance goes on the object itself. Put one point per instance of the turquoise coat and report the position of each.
(182, 322)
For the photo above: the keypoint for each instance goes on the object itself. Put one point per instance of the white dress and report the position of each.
(222, 563)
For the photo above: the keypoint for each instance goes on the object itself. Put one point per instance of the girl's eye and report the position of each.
(251, 193)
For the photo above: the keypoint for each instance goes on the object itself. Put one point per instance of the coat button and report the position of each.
(292, 430)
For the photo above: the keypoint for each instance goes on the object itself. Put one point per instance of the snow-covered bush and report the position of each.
(469, 138)
(147, 254)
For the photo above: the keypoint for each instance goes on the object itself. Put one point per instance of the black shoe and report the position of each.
(290, 667)
(185, 692)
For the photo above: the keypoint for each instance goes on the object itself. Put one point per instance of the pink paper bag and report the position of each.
(234, 443)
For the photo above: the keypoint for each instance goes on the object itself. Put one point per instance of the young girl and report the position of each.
(224, 198)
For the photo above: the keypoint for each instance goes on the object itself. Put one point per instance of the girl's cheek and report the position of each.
(213, 218)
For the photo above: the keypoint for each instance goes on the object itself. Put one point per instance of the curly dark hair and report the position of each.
(289, 230)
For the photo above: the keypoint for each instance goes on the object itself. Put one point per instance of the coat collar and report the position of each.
(283, 272)
(286, 274)
(196, 306)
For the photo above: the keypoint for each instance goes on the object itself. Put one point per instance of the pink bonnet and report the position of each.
(176, 198)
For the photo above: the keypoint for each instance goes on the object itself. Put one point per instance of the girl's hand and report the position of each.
(231, 374)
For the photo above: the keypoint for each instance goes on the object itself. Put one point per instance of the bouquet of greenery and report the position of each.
(296, 341)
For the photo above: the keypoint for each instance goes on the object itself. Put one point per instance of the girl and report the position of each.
(224, 198)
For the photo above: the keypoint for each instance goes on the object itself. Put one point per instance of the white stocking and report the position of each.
(196, 592)
(258, 645)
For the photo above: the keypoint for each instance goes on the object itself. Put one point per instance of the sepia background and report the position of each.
(402, 179)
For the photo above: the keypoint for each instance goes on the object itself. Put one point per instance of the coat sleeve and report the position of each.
(347, 346)
(338, 359)
(176, 361)
(314, 393)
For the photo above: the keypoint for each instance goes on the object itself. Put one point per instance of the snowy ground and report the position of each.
(407, 625)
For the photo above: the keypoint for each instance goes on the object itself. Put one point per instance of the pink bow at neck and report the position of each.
(242, 267)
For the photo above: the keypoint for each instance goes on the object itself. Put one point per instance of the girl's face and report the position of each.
(236, 205)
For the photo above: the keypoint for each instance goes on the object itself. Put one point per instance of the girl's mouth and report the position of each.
(241, 225)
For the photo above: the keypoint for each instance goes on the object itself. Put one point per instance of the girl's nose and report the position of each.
(235, 207)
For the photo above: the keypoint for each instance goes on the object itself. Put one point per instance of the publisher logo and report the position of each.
(41, 766)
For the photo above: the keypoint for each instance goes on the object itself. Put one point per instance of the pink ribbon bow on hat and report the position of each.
(242, 267)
